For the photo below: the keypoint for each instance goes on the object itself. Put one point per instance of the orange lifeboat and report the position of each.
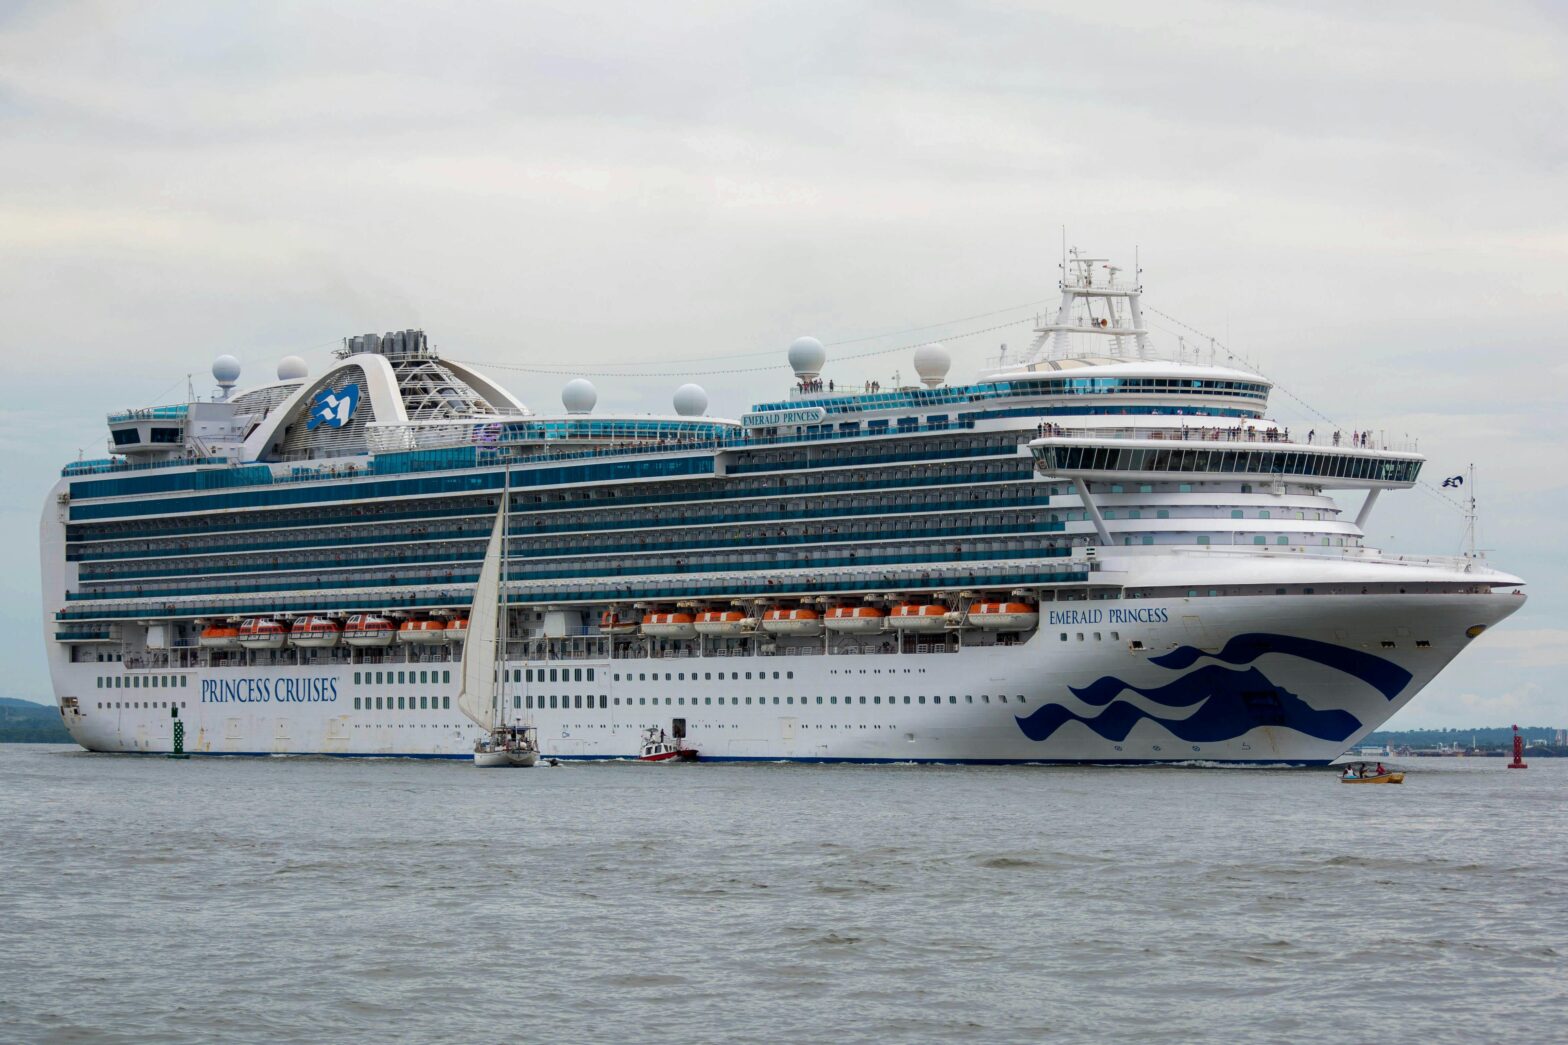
(219, 636)
(262, 633)
(856, 620)
(421, 632)
(918, 616)
(800, 621)
(367, 629)
(456, 629)
(1003, 616)
(314, 633)
(669, 626)
(612, 623)
(721, 622)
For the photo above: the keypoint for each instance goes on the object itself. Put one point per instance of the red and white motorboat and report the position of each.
(658, 746)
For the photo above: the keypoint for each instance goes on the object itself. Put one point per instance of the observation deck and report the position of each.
(1143, 453)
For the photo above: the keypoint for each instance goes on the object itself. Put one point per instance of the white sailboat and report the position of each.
(481, 696)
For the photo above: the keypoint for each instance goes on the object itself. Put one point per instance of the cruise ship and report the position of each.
(1089, 553)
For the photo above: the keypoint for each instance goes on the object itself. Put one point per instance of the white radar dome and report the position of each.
(292, 368)
(579, 396)
(226, 370)
(806, 357)
(932, 363)
(691, 401)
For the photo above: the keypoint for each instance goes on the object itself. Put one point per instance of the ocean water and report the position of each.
(306, 900)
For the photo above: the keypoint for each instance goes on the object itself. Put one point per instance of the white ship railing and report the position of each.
(1342, 440)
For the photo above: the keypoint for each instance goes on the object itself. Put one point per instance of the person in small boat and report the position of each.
(1349, 773)
(1380, 771)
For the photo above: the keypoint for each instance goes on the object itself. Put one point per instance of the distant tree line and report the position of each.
(1487, 737)
(23, 722)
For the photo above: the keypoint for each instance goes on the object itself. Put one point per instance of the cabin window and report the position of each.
(356, 703)
(577, 674)
(590, 674)
(530, 675)
(446, 702)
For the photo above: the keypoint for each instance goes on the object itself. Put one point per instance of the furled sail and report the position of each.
(477, 696)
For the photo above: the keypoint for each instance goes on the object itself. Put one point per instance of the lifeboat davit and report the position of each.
(918, 616)
(792, 622)
(614, 624)
(219, 636)
(456, 629)
(1003, 616)
(366, 629)
(421, 632)
(857, 620)
(669, 626)
(262, 633)
(722, 622)
(314, 632)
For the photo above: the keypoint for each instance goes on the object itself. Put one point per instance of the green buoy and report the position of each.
(179, 735)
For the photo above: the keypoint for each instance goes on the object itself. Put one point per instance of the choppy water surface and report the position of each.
(316, 900)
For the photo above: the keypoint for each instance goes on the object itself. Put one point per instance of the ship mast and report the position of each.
(1095, 301)
(1470, 516)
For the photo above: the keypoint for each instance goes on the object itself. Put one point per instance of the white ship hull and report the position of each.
(1296, 679)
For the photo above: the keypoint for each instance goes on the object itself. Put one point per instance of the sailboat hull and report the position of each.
(505, 759)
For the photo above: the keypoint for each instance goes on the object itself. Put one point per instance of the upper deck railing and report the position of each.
(1339, 439)
(151, 413)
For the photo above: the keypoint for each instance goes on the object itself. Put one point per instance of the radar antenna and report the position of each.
(1095, 302)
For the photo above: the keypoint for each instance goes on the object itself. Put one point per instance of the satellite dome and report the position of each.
(579, 396)
(226, 370)
(806, 357)
(292, 368)
(691, 401)
(932, 363)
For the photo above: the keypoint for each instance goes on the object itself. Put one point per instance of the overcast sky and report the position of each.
(1368, 201)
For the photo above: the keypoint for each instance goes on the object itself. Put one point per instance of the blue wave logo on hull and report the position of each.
(1217, 703)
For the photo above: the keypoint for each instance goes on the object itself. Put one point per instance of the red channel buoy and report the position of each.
(1518, 762)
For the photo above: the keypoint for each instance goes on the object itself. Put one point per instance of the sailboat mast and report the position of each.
(501, 611)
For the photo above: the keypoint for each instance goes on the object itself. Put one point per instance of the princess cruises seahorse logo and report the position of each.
(333, 408)
(1215, 702)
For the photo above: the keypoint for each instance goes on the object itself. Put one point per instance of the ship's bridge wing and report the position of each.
(1187, 454)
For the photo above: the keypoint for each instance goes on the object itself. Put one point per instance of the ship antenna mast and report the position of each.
(1470, 517)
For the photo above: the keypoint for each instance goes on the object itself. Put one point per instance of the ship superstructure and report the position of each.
(1087, 554)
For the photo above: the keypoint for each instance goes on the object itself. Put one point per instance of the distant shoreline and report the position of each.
(28, 722)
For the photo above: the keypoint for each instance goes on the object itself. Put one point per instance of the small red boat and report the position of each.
(658, 746)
